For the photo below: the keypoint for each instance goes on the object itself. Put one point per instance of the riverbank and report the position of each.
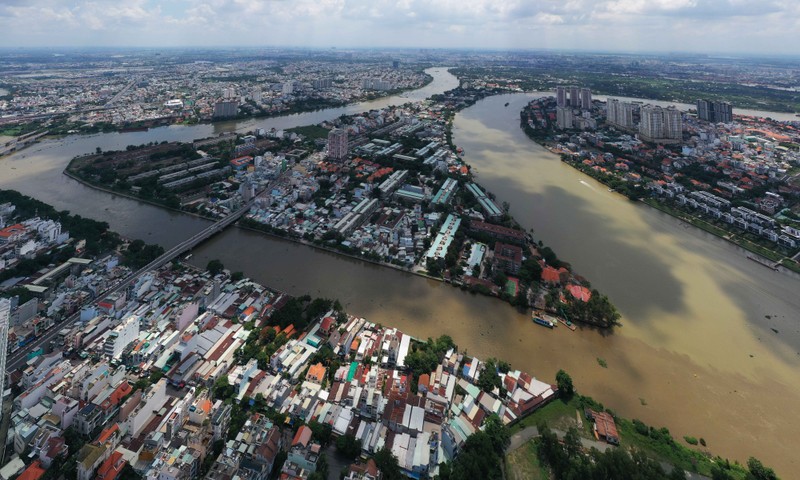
(636, 191)
(676, 287)
(59, 131)
(270, 233)
(134, 197)
(695, 221)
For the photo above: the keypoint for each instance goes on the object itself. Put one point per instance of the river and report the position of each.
(695, 354)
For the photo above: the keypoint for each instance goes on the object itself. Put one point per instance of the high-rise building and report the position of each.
(574, 96)
(561, 97)
(5, 313)
(228, 93)
(619, 114)
(564, 117)
(673, 124)
(226, 109)
(256, 95)
(586, 99)
(661, 125)
(714, 112)
(337, 144)
(322, 83)
(287, 88)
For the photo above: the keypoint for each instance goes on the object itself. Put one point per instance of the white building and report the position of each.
(619, 113)
(5, 312)
(661, 125)
(337, 144)
(121, 336)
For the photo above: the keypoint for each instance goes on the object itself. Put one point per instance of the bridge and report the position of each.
(19, 357)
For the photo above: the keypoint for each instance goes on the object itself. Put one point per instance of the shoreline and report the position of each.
(780, 265)
(237, 119)
(290, 239)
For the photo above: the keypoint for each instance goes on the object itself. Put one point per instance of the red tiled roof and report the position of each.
(111, 467)
(33, 472)
(303, 436)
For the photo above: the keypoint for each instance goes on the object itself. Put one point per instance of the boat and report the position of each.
(568, 324)
(187, 257)
(506, 104)
(543, 322)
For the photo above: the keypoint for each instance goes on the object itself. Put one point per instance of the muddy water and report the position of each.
(696, 346)
(697, 343)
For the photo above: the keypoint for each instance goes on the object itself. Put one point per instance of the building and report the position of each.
(121, 336)
(714, 112)
(507, 258)
(574, 96)
(226, 109)
(561, 97)
(661, 125)
(322, 83)
(303, 455)
(586, 99)
(337, 144)
(490, 208)
(564, 117)
(604, 426)
(619, 114)
(5, 313)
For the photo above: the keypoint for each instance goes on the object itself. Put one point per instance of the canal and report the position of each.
(696, 351)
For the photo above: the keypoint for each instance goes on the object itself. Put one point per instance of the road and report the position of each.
(121, 93)
(19, 358)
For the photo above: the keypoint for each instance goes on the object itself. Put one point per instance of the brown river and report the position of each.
(696, 352)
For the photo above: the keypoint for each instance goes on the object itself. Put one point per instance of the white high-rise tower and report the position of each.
(5, 312)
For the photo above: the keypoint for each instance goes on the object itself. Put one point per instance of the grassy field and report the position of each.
(693, 459)
(791, 265)
(557, 414)
(523, 464)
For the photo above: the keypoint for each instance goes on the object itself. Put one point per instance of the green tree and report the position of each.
(564, 382)
(489, 379)
(223, 389)
(215, 266)
(758, 471)
(387, 464)
(348, 446)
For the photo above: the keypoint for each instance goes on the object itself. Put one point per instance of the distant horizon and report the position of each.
(730, 27)
(655, 53)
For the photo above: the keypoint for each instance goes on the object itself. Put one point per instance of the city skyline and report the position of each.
(629, 26)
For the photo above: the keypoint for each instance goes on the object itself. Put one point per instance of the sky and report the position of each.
(727, 26)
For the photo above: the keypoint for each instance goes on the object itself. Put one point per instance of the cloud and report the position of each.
(713, 25)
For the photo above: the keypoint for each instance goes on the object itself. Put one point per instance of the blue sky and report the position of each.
(735, 26)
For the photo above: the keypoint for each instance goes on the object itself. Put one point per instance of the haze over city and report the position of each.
(724, 26)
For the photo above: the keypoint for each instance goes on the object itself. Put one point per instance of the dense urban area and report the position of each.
(735, 176)
(122, 360)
